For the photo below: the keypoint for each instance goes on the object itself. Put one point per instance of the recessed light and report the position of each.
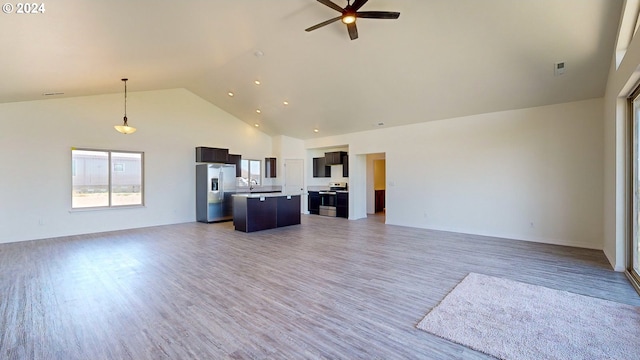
(257, 82)
(285, 103)
(316, 130)
(258, 53)
(258, 111)
(230, 94)
(256, 125)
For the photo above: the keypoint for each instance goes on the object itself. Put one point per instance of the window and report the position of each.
(633, 241)
(250, 175)
(102, 178)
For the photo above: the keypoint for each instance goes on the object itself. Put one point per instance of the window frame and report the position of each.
(632, 252)
(259, 167)
(110, 171)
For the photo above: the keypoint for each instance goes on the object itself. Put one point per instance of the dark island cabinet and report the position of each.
(320, 168)
(342, 205)
(212, 155)
(313, 202)
(255, 213)
(288, 211)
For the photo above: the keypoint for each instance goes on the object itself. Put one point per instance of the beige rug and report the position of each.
(513, 320)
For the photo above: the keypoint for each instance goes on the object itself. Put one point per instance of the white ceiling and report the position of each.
(440, 59)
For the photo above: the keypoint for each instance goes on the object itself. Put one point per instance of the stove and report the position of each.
(328, 199)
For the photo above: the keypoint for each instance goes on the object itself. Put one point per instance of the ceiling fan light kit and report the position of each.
(349, 19)
(349, 15)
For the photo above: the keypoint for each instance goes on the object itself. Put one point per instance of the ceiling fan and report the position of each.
(350, 13)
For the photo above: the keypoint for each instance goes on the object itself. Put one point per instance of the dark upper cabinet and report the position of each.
(212, 155)
(235, 159)
(320, 168)
(334, 157)
(345, 166)
(269, 167)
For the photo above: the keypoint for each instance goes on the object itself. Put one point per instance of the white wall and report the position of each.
(285, 147)
(531, 174)
(35, 158)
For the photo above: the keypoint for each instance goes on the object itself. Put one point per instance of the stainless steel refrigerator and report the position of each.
(215, 184)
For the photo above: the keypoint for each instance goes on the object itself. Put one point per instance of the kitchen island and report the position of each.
(254, 212)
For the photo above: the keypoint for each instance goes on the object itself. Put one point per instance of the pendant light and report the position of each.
(125, 128)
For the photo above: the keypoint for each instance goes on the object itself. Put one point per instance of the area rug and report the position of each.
(513, 320)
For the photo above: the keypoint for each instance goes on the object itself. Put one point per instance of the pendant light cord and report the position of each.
(125, 101)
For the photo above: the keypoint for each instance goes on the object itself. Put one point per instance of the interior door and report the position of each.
(294, 178)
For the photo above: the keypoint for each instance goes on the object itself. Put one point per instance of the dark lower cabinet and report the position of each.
(288, 212)
(342, 205)
(265, 212)
(253, 214)
(313, 202)
(379, 200)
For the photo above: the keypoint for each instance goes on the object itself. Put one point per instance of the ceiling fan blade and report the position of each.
(358, 4)
(331, 4)
(353, 31)
(378, 14)
(323, 23)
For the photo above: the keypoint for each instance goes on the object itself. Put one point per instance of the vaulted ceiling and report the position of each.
(440, 59)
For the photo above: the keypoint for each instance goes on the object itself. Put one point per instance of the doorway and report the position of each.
(376, 186)
(379, 185)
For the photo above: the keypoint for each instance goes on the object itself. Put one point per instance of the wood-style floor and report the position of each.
(329, 288)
